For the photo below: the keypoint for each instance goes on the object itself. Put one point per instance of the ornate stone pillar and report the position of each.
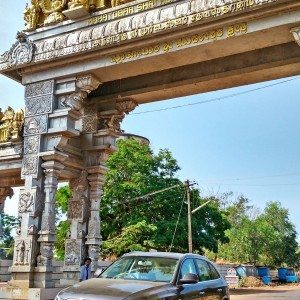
(79, 204)
(4, 193)
(78, 214)
(52, 169)
(104, 129)
(39, 103)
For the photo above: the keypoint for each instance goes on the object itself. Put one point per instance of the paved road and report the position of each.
(272, 293)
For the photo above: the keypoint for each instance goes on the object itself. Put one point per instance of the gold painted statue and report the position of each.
(11, 125)
(53, 10)
(47, 12)
(77, 3)
(32, 15)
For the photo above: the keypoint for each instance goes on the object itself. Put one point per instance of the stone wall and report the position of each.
(5, 273)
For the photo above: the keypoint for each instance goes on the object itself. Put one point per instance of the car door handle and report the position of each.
(220, 290)
(201, 293)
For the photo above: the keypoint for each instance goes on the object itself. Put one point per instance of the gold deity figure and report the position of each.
(77, 3)
(53, 10)
(119, 2)
(33, 15)
(11, 125)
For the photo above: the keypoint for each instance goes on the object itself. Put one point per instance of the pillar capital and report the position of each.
(87, 83)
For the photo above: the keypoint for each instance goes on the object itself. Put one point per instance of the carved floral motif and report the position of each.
(30, 165)
(39, 88)
(31, 144)
(38, 105)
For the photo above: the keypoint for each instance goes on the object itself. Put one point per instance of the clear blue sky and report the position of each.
(247, 144)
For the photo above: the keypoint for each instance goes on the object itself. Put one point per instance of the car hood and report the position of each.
(112, 289)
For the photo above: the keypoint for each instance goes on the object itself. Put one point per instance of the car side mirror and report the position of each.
(98, 272)
(189, 278)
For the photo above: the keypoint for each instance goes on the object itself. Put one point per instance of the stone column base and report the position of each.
(14, 293)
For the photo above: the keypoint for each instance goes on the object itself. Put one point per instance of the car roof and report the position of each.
(173, 255)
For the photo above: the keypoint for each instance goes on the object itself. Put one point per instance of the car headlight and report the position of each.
(58, 298)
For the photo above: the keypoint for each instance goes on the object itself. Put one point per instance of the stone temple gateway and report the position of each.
(85, 64)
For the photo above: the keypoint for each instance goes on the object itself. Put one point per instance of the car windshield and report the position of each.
(142, 268)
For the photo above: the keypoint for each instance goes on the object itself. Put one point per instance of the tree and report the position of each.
(134, 224)
(135, 171)
(9, 223)
(266, 238)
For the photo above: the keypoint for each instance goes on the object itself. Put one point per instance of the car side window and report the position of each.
(203, 270)
(187, 266)
(214, 274)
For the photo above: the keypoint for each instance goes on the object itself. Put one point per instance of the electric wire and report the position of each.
(215, 99)
(178, 218)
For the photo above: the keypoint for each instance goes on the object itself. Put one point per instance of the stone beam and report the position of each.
(235, 70)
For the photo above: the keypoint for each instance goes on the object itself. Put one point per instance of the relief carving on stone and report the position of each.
(36, 125)
(38, 105)
(46, 254)
(11, 125)
(30, 165)
(87, 83)
(26, 202)
(73, 101)
(296, 34)
(39, 88)
(30, 201)
(31, 144)
(73, 252)
(79, 204)
(22, 252)
(89, 123)
(20, 53)
(113, 121)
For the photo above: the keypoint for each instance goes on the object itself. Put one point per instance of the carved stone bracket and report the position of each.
(112, 119)
(73, 101)
(296, 34)
(87, 83)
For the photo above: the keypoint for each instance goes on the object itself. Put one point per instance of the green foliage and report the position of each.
(62, 197)
(9, 223)
(61, 235)
(269, 238)
(134, 237)
(135, 171)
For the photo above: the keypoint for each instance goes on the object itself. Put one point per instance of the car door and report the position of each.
(190, 290)
(212, 290)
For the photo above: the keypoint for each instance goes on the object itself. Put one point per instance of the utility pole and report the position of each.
(188, 198)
